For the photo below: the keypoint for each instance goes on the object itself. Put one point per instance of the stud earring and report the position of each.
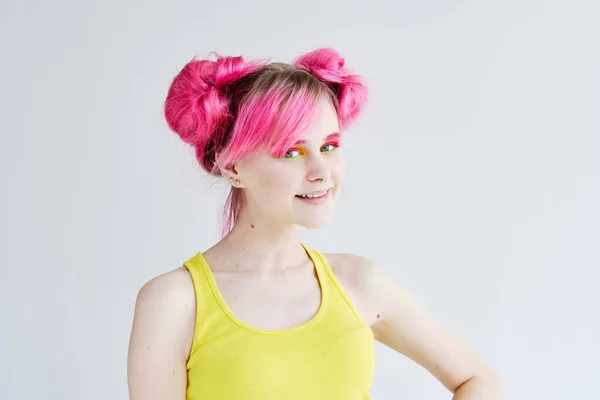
(234, 182)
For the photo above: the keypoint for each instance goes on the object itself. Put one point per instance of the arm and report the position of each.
(406, 326)
(161, 337)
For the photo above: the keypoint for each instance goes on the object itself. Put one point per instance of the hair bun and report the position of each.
(329, 66)
(326, 64)
(195, 107)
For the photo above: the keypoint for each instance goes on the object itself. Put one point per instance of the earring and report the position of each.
(234, 182)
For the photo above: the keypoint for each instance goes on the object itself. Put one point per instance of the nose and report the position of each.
(318, 170)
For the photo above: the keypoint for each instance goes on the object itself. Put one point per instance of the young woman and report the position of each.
(260, 315)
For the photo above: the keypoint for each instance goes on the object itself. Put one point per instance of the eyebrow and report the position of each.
(335, 135)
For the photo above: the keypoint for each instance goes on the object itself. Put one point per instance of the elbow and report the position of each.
(487, 386)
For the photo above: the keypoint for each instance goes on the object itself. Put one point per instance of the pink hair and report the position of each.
(231, 108)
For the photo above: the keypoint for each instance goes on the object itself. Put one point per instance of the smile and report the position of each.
(315, 197)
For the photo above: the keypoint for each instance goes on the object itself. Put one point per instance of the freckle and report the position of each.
(173, 372)
(148, 348)
(252, 226)
(236, 265)
(377, 316)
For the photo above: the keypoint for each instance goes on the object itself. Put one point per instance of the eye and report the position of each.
(292, 153)
(329, 147)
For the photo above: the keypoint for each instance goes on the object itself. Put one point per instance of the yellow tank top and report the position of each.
(331, 356)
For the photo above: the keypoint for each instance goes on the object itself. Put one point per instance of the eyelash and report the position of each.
(334, 144)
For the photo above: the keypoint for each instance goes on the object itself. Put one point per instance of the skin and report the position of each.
(260, 268)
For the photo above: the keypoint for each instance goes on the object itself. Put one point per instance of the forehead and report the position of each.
(325, 126)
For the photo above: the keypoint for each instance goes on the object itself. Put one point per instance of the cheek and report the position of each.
(339, 168)
(278, 182)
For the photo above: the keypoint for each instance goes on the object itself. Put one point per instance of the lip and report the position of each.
(315, 192)
(318, 200)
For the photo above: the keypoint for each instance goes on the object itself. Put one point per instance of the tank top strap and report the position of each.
(323, 278)
(331, 285)
(207, 307)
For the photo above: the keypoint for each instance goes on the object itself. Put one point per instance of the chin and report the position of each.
(315, 223)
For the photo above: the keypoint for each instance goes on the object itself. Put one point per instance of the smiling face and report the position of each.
(300, 187)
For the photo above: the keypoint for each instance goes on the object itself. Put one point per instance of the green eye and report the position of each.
(329, 147)
(292, 154)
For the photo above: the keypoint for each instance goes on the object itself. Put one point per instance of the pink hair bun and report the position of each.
(328, 65)
(195, 108)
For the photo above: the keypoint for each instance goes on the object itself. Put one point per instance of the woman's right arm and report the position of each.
(161, 338)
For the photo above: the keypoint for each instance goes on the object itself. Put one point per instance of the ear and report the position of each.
(231, 175)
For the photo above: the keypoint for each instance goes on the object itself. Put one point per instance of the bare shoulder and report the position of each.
(360, 272)
(351, 267)
(358, 276)
(173, 287)
(168, 299)
(161, 336)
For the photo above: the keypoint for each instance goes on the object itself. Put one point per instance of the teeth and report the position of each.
(313, 196)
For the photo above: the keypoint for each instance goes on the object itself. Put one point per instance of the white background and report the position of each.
(473, 176)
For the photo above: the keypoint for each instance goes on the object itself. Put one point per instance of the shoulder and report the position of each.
(372, 283)
(167, 304)
(173, 288)
(360, 272)
(161, 336)
(361, 278)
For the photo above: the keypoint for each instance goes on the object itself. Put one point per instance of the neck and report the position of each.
(260, 244)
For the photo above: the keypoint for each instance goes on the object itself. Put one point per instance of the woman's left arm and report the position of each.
(406, 326)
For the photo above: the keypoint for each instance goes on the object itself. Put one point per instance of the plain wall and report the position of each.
(473, 176)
